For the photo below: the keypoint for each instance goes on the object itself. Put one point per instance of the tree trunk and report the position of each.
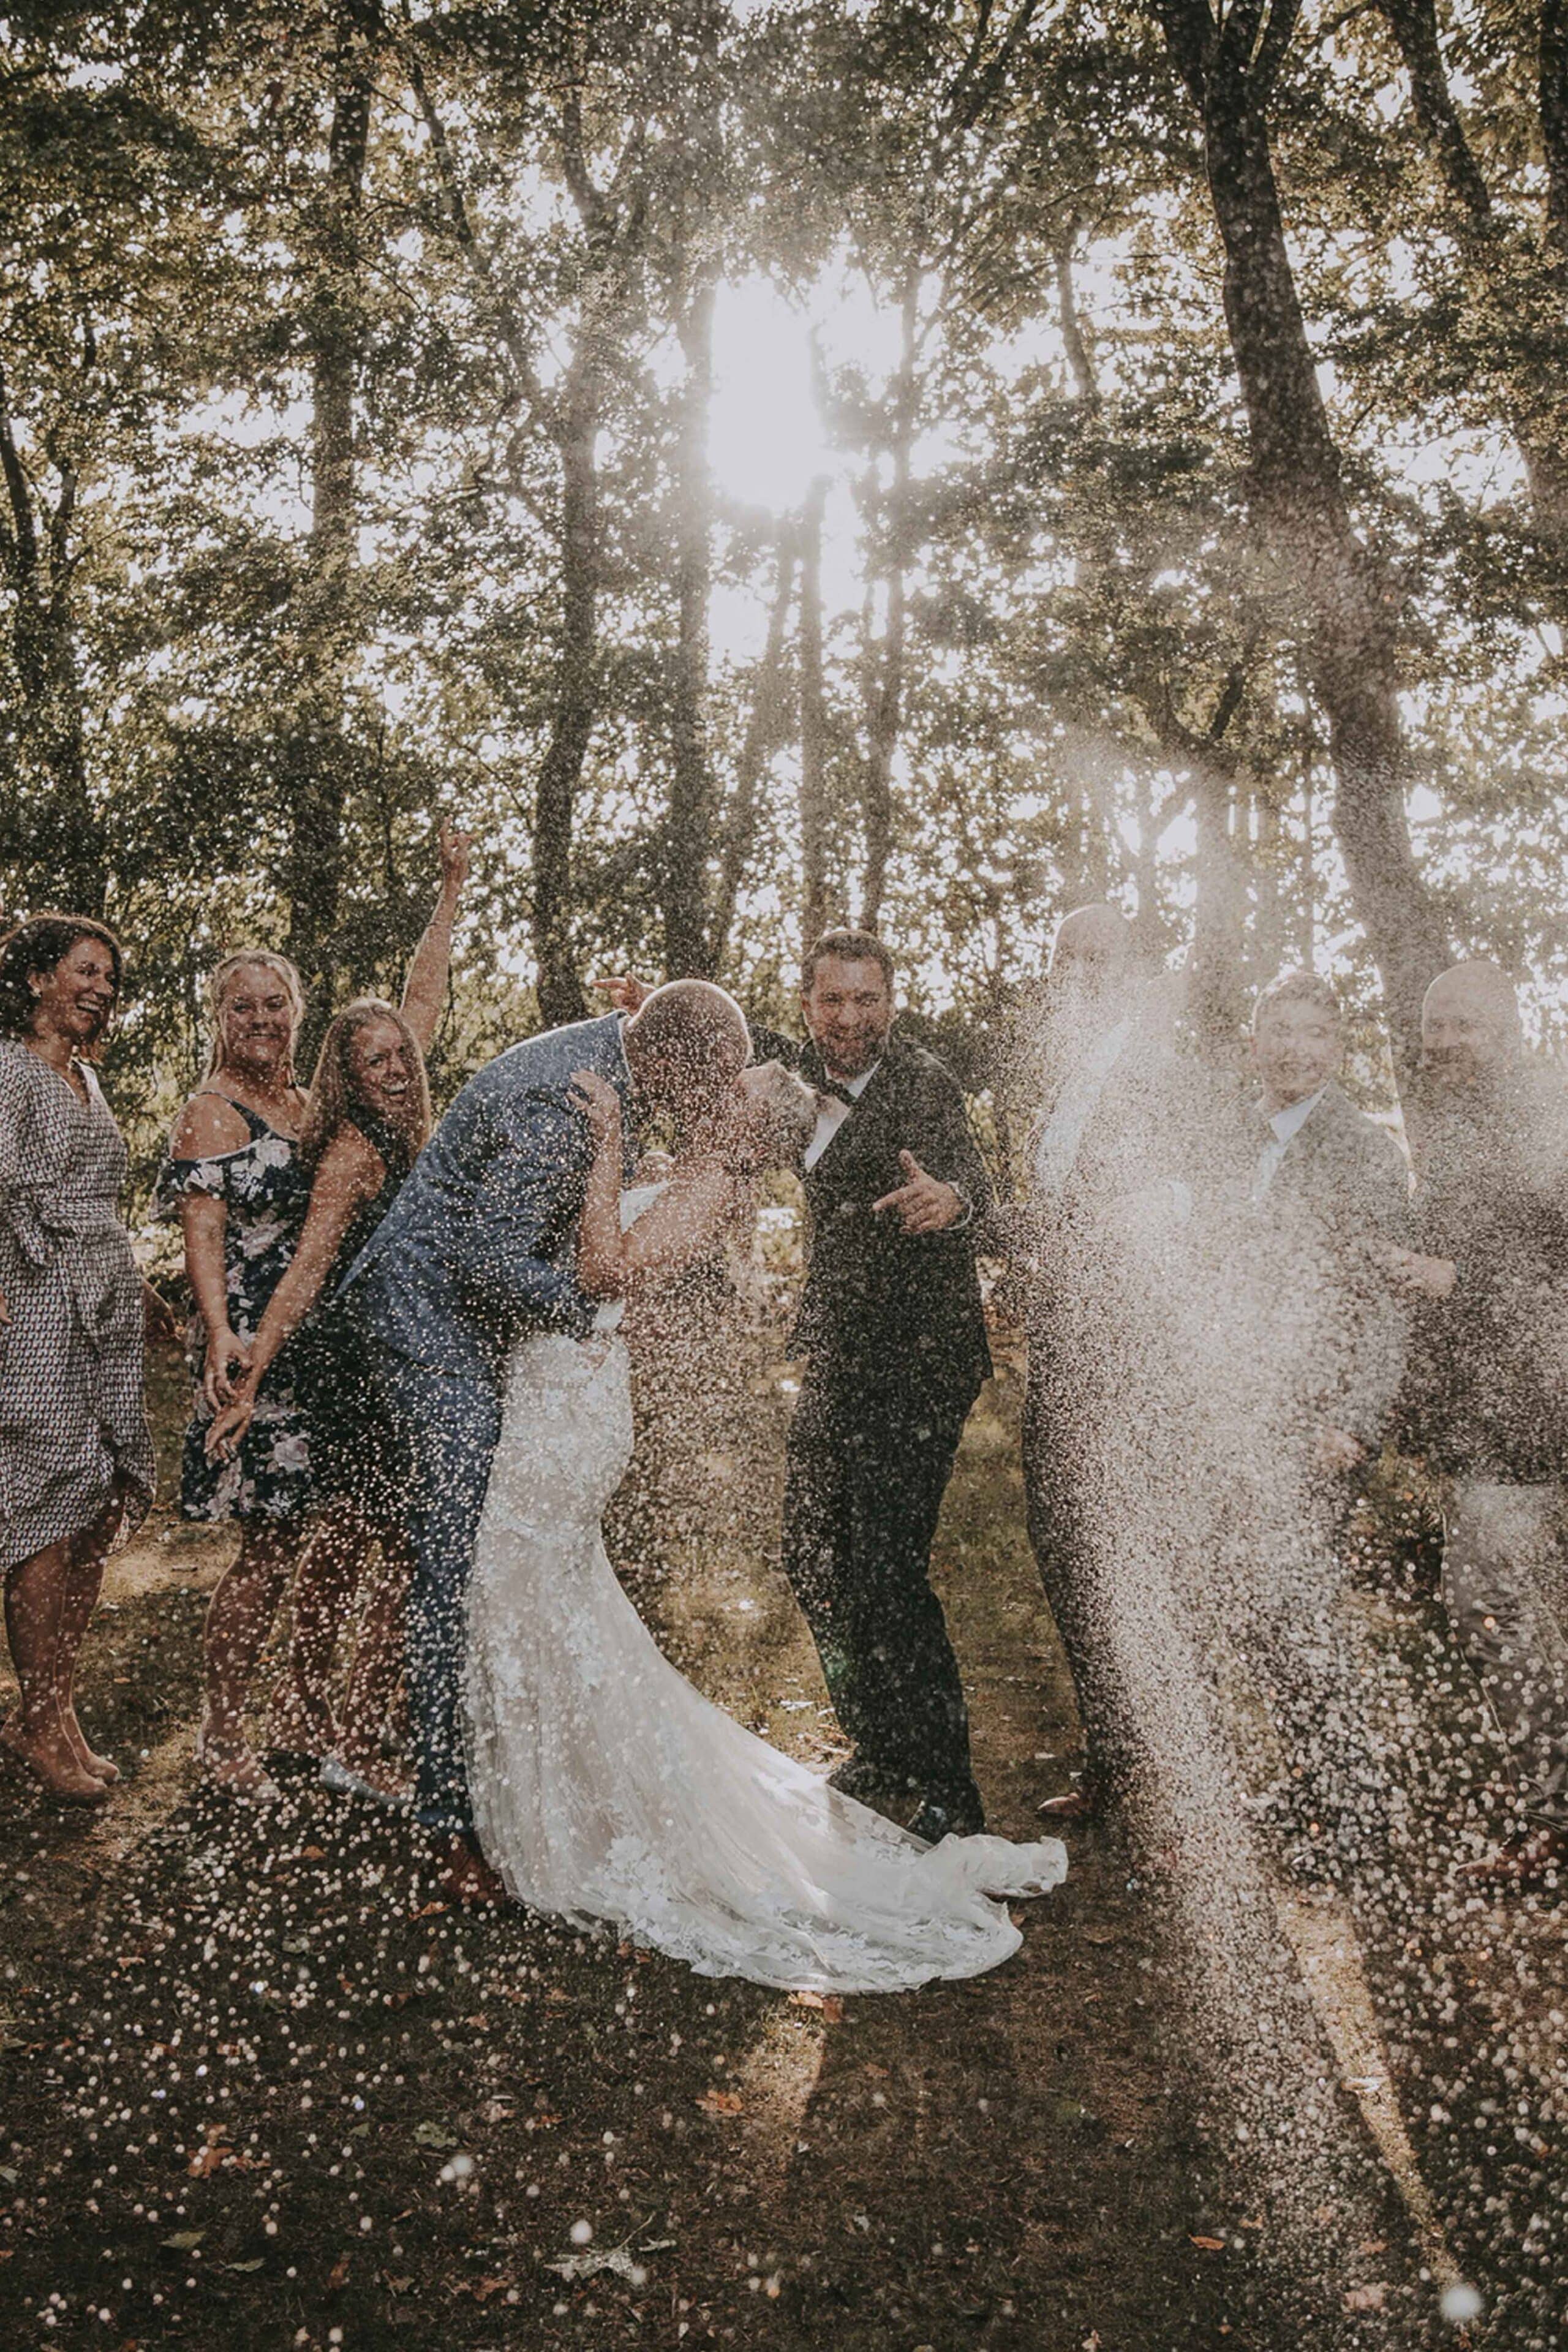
(318, 766)
(813, 724)
(1217, 994)
(690, 948)
(577, 707)
(1298, 498)
(51, 836)
(888, 695)
(765, 731)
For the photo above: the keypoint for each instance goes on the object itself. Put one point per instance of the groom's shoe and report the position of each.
(960, 1814)
(465, 1876)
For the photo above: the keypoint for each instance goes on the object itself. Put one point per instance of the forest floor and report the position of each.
(259, 2089)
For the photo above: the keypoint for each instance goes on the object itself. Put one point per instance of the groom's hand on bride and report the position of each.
(923, 1204)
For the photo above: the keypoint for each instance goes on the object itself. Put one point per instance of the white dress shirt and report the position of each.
(832, 1112)
(1285, 1123)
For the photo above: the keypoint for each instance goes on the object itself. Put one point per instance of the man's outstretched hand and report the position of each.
(924, 1204)
(625, 994)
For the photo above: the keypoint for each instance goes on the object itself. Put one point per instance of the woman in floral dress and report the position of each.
(234, 1179)
(76, 1456)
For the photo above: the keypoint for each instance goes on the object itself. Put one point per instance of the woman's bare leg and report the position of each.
(36, 1605)
(301, 1713)
(375, 1670)
(239, 1618)
(84, 1582)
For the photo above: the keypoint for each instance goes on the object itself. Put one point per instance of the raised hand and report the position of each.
(598, 1102)
(625, 994)
(923, 1204)
(453, 848)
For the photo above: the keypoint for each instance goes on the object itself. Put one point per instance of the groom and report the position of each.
(476, 1252)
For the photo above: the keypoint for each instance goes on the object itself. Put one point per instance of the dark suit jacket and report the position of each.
(479, 1246)
(1487, 1394)
(1339, 1196)
(891, 1307)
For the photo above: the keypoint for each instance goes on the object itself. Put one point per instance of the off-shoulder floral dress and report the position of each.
(266, 1193)
(73, 1427)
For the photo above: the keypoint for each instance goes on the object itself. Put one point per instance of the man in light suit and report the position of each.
(477, 1251)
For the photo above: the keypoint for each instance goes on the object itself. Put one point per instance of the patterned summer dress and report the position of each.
(354, 1454)
(267, 1194)
(73, 1427)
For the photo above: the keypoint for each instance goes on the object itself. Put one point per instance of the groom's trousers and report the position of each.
(449, 1427)
(868, 1463)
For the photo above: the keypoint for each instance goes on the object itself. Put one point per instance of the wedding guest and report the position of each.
(1129, 1132)
(1318, 1342)
(233, 1178)
(76, 1454)
(1486, 1395)
(367, 1120)
(1329, 1193)
(893, 1336)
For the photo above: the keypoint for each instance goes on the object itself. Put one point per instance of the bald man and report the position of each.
(1487, 1396)
(477, 1251)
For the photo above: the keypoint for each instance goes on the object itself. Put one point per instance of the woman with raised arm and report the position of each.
(236, 1180)
(367, 1120)
(604, 1786)
(76, 1456)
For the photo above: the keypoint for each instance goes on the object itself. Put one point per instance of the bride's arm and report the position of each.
(670, 1233)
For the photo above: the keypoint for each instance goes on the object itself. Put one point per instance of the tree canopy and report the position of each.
(398, 405)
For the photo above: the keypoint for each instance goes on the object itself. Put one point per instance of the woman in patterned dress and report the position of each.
(76, 1454)
(368, 1119)
(234, 1179)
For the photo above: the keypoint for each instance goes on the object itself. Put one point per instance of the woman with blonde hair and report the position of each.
(367, 1119)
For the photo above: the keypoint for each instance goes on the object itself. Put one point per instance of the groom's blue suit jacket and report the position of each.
(478, 1247)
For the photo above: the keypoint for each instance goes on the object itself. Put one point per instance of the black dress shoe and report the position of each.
(949, 1817)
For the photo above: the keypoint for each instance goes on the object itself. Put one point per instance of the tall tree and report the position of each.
(1230, 64)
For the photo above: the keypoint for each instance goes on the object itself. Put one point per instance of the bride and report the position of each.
(603, 1785)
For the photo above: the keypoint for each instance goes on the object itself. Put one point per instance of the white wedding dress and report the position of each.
(606, 1786)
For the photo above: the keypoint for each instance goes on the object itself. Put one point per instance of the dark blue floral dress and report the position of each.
(266, 1193)
(354, 1451)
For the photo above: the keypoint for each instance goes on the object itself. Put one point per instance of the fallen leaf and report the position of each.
(430, 1911)
(255, 2265)
(395, 2285)
(185, 2242)
(829, 2003)
(207, 2159)
(1258, 2225)
(1209, 2245)
(338, 2276)
(1364, 2298)
(429, 2135)
(1372, 2246)
(721, 2102)
(312, 1854)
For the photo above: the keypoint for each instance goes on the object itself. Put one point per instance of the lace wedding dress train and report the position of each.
(606, 1786)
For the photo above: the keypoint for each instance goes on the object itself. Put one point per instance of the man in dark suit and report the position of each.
(1487, 1394)
(1317, 1340)
(893, 1338)
(1330, 1196)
